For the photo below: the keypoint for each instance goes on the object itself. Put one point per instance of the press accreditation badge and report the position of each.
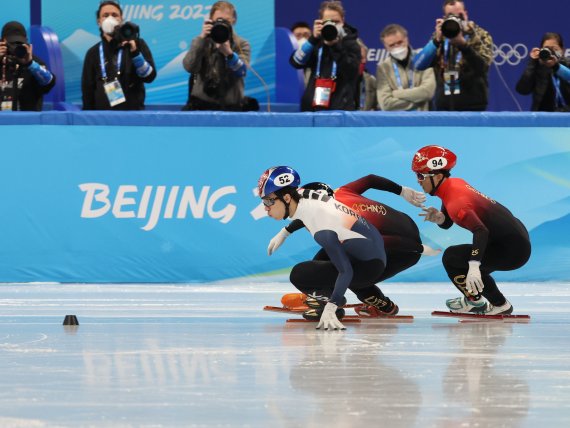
(324, 88)
(6, 106)
(114, 93)
(451, 82)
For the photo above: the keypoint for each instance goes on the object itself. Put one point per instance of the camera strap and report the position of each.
(102, 62)
(560, 102)
(399, 79)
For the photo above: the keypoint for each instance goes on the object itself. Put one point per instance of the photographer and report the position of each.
(217, 60)
(25, 78)
(460, 53)
(546, 76)
(116, 68)
(333, 54)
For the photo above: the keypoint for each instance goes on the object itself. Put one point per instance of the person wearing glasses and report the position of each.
(116, 69)
(402, 240)
(500, 240)
(354, 247)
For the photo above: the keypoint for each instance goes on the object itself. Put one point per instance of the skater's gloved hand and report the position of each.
(329, 321)
(277, 240)
(433, 214)
(473, 282)
(429, 251)
(412, 196)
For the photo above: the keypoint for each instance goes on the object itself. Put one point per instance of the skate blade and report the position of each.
(481, 317)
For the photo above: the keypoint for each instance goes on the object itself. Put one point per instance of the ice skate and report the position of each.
(462, 305)
(505, 309)
(375, 307)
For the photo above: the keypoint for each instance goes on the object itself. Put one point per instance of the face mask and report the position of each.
(108, 25)
(399, 53)
(302, 41)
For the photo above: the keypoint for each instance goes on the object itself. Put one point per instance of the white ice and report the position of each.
(207, 355)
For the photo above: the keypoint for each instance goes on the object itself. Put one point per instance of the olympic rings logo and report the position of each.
(507, 54)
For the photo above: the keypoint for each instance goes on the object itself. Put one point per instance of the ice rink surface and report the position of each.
(207, 355)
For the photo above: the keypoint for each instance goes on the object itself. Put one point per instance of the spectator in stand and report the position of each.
(302, 32)
(333, 55)
(460, 53)
(546, 76)
(116, 68)
(399, 85)
(366, 93)
(25, 77)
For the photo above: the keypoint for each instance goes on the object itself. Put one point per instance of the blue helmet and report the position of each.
(277, 178)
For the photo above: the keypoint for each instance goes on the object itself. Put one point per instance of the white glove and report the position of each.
(433, 214)
(329, 319)
(412, 196)
(277, 240)
(429, 251)
(473, 282)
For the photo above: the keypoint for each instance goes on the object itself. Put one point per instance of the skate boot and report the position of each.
(294, 301)
(317, 305)
(505, 309)
(380, 308)
(316, 301)
(462, 305)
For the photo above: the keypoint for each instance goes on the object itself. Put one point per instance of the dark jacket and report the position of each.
(537, 80)
(28, 92)
(92, 85)
(346, 54)
(215, 86)
(476, 57)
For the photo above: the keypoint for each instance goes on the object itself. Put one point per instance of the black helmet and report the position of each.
(320, 188)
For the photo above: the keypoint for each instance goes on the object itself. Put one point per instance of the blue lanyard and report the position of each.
(333, 71)
(399, 80)
(446, 52)
(102, 62)
(559, 98)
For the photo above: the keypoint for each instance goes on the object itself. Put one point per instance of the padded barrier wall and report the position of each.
(169, 197)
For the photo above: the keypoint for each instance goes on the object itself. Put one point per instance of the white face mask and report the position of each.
(108, 25)
(399, 53)
(302, 41)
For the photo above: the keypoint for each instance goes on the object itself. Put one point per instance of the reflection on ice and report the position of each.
(174, 355)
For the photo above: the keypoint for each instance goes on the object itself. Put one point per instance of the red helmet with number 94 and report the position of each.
(433, 158)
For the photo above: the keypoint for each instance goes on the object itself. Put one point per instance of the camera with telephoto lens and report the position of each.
(452, 25)
(126, 32)
(16, 48)
(329, 31)
(547, 53)
(221, 31)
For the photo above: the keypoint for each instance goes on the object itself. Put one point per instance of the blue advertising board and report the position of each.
(177, 204)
